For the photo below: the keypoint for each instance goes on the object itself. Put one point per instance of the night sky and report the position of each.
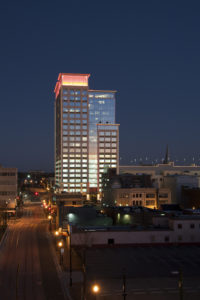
(149, 51)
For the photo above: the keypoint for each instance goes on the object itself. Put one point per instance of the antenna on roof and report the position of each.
(166, 160)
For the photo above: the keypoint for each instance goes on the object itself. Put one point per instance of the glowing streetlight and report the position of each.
(95, 288)
(60, 244)
(56, 233)
(49, 217)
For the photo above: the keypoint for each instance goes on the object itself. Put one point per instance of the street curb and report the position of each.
(59, 270)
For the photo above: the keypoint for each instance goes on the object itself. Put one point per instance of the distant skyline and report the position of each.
(146, 50)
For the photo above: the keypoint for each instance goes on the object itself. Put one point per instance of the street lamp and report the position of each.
(95, 289)
(60, 245)
(70, 257)
(180, 282)
(50, 217)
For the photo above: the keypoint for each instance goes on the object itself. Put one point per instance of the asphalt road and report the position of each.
(27, 269)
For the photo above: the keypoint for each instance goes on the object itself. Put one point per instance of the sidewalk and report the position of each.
(74, 292)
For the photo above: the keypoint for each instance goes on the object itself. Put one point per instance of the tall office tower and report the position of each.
(86, 136)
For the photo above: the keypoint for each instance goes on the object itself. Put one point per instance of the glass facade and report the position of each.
(101, 111)
(86, 136)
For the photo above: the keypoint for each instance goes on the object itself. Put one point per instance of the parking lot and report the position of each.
(148, 271)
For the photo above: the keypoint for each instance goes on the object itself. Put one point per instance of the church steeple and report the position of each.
(166, 160)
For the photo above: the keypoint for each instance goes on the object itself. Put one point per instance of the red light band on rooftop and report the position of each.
(71, 79)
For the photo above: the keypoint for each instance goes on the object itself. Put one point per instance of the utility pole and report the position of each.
(70, 258)
(84, 274)
(17, 277)
(180, 284)
(124, 294)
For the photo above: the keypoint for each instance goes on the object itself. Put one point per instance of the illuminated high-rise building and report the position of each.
(86, 135)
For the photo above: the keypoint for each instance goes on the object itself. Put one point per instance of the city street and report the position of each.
(27, 269)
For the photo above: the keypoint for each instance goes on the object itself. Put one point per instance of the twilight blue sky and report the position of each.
(148, 50)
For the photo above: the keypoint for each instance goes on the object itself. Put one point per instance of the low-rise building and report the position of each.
(168, 175)
(132, 190)
(177, 230)
(147, 197)
(8, 187)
